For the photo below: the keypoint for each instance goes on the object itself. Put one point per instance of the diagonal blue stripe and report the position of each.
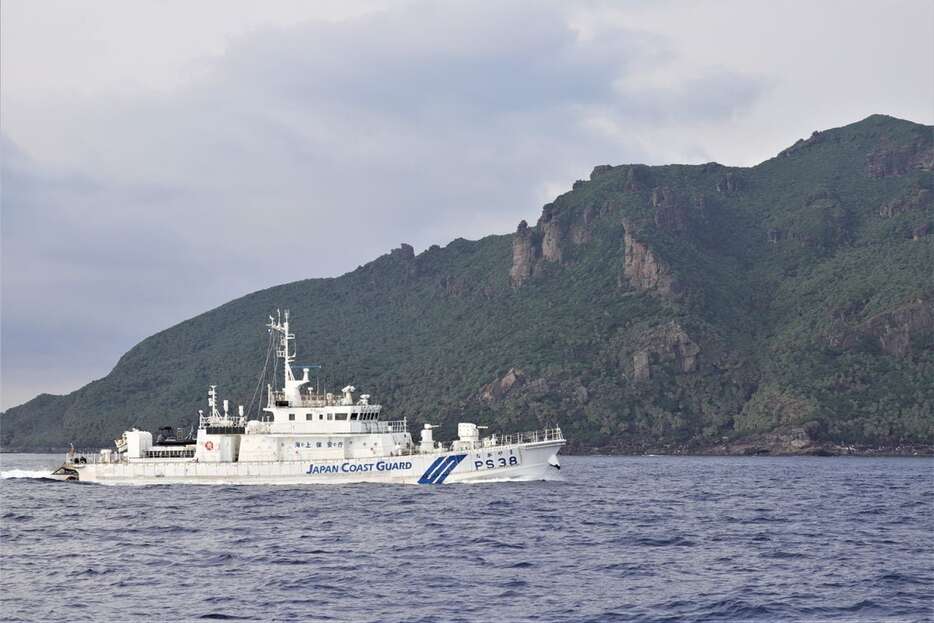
(426, 477)
(433, 477)
(452, 463)
(440, 470)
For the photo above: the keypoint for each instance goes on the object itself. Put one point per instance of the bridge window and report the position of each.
(330, 416)
(353, 416)
(309, 417)
(291, 417)
(340, 416)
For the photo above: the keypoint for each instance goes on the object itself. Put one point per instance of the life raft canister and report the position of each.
(208, 445)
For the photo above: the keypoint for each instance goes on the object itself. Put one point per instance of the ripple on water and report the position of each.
(626, 539)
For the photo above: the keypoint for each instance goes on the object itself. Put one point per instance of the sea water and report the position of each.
(621, 539)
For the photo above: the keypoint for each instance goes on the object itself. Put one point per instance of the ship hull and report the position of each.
(531, 461)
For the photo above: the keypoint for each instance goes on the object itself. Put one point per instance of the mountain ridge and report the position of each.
(674, 307)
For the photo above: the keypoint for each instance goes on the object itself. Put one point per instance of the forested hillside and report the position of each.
(785, 307)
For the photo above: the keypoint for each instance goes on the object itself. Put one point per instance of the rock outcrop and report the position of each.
(549, 241)
(553, 233)
(671, 210)
(898, 331)
(665, 345)
(526, 251)
(773, 406)
(581, 230)
(638, 178)
(729, 184)
(823, 222)
(405, 252)
(399, 264)
(916, 199)
(556, 232)
(817, 137)
(892, 161)
(499, 388)
(644, 270)
(600, 169)
(641, 365)
(454, 286)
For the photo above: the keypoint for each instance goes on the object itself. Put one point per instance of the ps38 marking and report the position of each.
(498, 462)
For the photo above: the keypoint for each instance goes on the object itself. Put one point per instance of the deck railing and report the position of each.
(389, 426)
(535, 436)
(307, 399)
(90, 456)
(495, 441)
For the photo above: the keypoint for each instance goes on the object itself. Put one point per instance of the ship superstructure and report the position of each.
(308, 436)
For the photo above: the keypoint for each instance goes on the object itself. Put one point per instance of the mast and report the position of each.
(283, 350)
(286, 352)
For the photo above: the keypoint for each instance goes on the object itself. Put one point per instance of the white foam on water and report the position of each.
(25, 473)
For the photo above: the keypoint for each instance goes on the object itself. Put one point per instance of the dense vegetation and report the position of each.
(787, 303)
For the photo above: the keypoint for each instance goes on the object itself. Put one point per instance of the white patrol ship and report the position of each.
(306, 437)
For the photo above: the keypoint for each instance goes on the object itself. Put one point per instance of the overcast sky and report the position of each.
(160, 158)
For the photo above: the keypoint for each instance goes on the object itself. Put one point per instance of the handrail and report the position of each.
(391, 426)
(535, 436)
(498, 441)
(320, 400)
(365, 426)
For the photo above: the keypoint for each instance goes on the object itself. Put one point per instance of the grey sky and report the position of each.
(161, 158)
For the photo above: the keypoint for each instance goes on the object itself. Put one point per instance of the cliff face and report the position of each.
(780, 307)
(890, 160)
(669, 342)
(644, 270)
(902, 332)
(526, 252)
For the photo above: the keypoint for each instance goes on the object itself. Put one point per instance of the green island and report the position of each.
(785, 308)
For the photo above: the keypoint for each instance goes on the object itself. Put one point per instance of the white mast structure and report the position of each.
(214, 417)
(291, 390)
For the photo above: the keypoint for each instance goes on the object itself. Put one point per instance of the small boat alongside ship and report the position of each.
(307, 437)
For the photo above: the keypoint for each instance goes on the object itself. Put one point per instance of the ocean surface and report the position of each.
(621, 539)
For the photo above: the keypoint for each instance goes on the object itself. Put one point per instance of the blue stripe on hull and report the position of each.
(453, 462)
(440, 469)
(426, 477)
